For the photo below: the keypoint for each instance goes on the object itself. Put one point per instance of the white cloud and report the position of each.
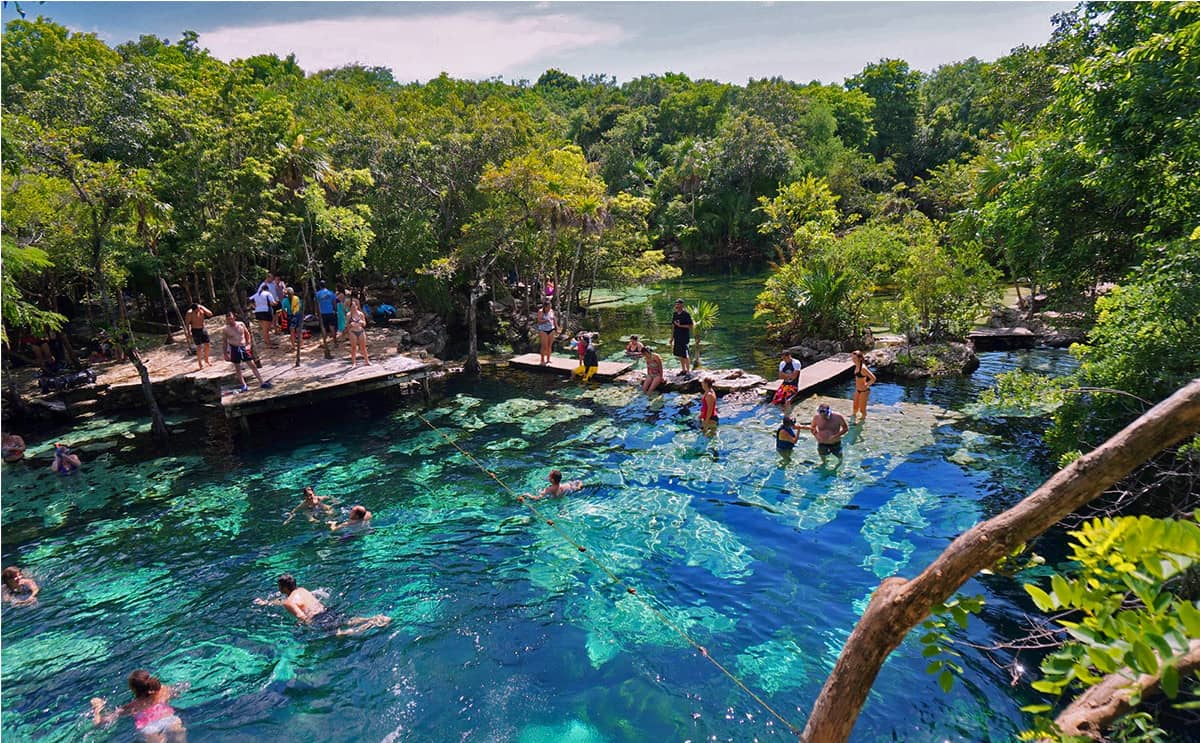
(465, 45)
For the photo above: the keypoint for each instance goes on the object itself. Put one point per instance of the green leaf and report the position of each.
(1170, 681)
(1040, 598)
(1190, 616)
(1101, 660)
(1046, 687)
(934, 667)
(1147, 662)
(1036, 709)
(930, 651)
(946, 681)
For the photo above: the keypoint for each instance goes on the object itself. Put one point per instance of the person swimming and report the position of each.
(65, 463)
(153, 718)
(315, 504)
(306, 607)
(557, 488)
(18, 589)
(359, 516)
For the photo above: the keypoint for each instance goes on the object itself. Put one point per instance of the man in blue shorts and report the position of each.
(327, 306)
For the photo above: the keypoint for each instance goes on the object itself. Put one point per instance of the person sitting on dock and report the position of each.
(789, 376)
(785, 435)
(634, 347)
(65, 463)
(828, 427)
(557, 488)
(309, 610)
(237, 345)
(196, 315)
(654, 370)
(313, 503)
(359, 516)
(591, 362)
(18, 589)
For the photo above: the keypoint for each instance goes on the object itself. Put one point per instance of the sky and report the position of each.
(726, 41)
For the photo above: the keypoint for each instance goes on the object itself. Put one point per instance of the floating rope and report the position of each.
(616, 578)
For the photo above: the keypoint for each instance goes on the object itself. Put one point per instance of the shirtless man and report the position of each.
(18, 589)
(359, 516)
(313, 503)
(309, 610)
(196, 315)
(828, 427)
(237, 349)
(556, 488)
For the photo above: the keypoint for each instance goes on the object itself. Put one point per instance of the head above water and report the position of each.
(308, 492)
(789, 420)
(286, 584)
(142, 684)
(10, 576)
(555, 477)
(358, 513)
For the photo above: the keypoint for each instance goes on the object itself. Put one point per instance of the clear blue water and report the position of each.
(502, 631)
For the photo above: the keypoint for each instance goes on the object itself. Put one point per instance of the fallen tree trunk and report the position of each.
(899, 605)
(1099, 706)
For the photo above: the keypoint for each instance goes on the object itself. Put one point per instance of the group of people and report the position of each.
(827, 426)
(278, 308)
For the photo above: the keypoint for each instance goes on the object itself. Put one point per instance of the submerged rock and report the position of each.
(923, 362)
(724, 380)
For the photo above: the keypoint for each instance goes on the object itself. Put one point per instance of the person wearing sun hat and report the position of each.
(681, 336)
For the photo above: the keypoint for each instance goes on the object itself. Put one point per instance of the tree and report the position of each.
(704, 316)
(895, 89)
(899, 605)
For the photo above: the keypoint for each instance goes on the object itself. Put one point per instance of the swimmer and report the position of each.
(14, 447)
(18, 589)
(315, 504)
(359, 516)
(785, 435)
(557, 488)
(309, 610)
(633, 347)
(153, 718)
(65, 463)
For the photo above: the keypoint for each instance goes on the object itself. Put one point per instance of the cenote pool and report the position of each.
(501, 630)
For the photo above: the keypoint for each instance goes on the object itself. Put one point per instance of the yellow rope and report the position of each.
(616, 579)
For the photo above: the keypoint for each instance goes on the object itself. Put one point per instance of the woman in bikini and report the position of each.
(863, 379)
(654, 370)
(708, 404)
(547, 325)
(356, 323)
(153, 718)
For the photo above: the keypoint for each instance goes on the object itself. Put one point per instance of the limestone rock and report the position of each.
(923, 362)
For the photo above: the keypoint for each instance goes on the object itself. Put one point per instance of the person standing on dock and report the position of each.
(863, 379)
(547, 325)
(327, 305)
(294, 308)
(263, 299)
(654, 370)
(237, 345)
(196, 315)
(356, 323)
(829, 427)
(681, 337)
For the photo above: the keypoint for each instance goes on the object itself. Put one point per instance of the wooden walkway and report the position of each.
(818, 374)
(316, 380)
(566, 365)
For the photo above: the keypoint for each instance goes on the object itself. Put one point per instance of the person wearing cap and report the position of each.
(785, 435)
(681, 336)
(829, 427)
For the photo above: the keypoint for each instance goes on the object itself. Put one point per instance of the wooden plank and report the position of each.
(320, 380)
(818, 374)
(566, 365)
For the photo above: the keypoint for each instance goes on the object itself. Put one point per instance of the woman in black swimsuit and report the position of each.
(863, 379)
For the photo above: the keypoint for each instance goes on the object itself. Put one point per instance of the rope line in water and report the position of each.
(666, 620)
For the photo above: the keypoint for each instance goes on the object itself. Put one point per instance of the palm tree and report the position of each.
(704, 316)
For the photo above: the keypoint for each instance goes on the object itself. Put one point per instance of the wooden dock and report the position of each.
(318, 380)
(819, 374)
(1003, 339)
(566, 365)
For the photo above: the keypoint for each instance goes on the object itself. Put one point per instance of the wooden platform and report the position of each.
(1003, 339)
(566, 365)
(818, 374)
(325, 379)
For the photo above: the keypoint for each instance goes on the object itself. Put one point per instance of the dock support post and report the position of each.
(425, 386)
(244, 422)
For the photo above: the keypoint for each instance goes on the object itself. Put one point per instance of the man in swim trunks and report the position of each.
(359, 516)
(237, 350)
(309, 610)
(196, 315)
(327, 306)
(828, 427)
(681, 336)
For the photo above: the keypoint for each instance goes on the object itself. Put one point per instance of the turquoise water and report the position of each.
(501, 630)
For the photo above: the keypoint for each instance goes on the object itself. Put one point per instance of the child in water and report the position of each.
(557, 488)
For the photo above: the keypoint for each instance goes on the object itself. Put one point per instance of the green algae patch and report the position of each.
(903, 514)
(623, 623)
(48, 654)
(572, 731)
